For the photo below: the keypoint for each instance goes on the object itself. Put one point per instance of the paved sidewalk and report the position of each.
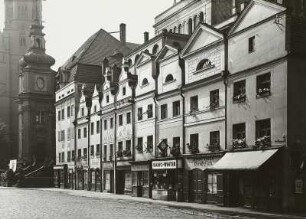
(194, 206)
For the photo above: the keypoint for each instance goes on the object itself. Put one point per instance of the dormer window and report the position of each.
(145, 82)
(123, 91)
(204, 64)
(169, 78)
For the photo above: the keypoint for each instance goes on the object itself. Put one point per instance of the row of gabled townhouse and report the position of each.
(204, 117)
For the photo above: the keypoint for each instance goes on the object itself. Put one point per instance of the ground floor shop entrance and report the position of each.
(141, 179)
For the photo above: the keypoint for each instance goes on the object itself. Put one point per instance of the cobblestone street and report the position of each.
(31, 203)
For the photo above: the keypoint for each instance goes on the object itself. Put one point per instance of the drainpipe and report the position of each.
(225, 74)
(115, 144)
(133, 123)
(75, 123)
(101, 142)
(88, 105)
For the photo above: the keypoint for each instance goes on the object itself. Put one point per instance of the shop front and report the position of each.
(60, 175)
(195, 180)
(108, 177)
(124, 178)
(248, 179)
(141, 179)
(167, 179)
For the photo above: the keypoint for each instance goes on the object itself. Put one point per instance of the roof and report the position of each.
(243, 160)
(95, 48)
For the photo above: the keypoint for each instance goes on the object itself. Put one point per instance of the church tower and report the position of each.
(36, 100)
(14, 42)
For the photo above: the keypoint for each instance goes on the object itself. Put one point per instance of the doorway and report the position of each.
(197, 186)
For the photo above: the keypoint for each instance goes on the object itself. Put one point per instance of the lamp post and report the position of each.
(88, 100)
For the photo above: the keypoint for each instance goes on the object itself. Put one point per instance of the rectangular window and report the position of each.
(239, 131)
(120, 120)
(68, 134)
(176, 108)
(212, 184)
(59, 115)
(92, 150)
(150, 142)
(111, 151)
(79, 133)
(59, 157)
(176, 142)
(239, 92)
(128, 145)
(105, 124)
(251, 44)
(79, 153)
(84, 153)
(68, 156)
(92, 128)
(105, 152)
(123, 91)
(150, 111)
(68, 111)
(164, 111)
(263, 86)
(72, 155)
(63, 135)
(63, 114)
(95, 108)
(72, 110)
(194, 140)
(82, 112)
(59, 136)
(120, 146)
(107, 98)
(63, 156)
(85, 132)
(111, 123)
(263, 128)
(140, 144)
(194, 104)
(98, 149)
(214, 99)
(128, 118)
(215, 138)
(98, 126)
(139, 113)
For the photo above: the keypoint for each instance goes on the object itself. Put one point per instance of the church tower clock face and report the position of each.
(40, 83)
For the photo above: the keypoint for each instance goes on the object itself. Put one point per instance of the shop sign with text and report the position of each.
(165, 164)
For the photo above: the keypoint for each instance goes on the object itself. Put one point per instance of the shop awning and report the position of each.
(243, 160)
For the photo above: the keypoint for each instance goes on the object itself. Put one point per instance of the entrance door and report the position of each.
(120, 182)
(197, 186)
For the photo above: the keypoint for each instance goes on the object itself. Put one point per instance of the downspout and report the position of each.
(75, 123)
(101, 142)
(88, 104)
(133, 123)
(225, 74)
(115, 143)
(182, 66)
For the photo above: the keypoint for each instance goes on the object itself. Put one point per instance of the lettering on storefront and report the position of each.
(200, 163)
(108, 166)
(140, 168)
(166, 164)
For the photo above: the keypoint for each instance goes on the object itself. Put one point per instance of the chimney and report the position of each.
(123, 33)
(146, 36)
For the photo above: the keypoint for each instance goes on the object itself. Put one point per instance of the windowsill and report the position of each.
(169, 82)
(263, 95)
(203, 69)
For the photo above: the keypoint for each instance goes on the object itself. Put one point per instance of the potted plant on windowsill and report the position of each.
(175, 151)
(126, 153)
(214, 147)
(263, 142)
(119, 154)
(139, 148)
(194, 149)
(239, 98)
(263, 92)
(239, 143)
(214, 105)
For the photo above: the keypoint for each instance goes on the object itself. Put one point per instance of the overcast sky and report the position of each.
(68, 23)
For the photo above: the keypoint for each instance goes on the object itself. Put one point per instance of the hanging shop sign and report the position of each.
(164, 164)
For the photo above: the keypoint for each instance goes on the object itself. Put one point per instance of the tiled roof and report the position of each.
(99, 45)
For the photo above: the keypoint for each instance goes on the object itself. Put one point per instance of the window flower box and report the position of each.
(263, 142)
(263, 92)
(239, 98)
(139, 148)
(214, 105)
(214, 147)
(193, 149)
(119, 153)
(239, 143)
(175, 151)
(126, 153)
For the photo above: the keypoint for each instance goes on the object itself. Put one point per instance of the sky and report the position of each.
(68, 23)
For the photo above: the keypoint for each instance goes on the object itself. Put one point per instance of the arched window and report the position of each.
(129, 62)
(195, 21)
(170, 31)
(145, 82)
(155, 49)
(136, 58)
(203, 64)
(169, 78)
(201, 17)
(38, 43)
(190, 26)
(174, 30)
(179, 29)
